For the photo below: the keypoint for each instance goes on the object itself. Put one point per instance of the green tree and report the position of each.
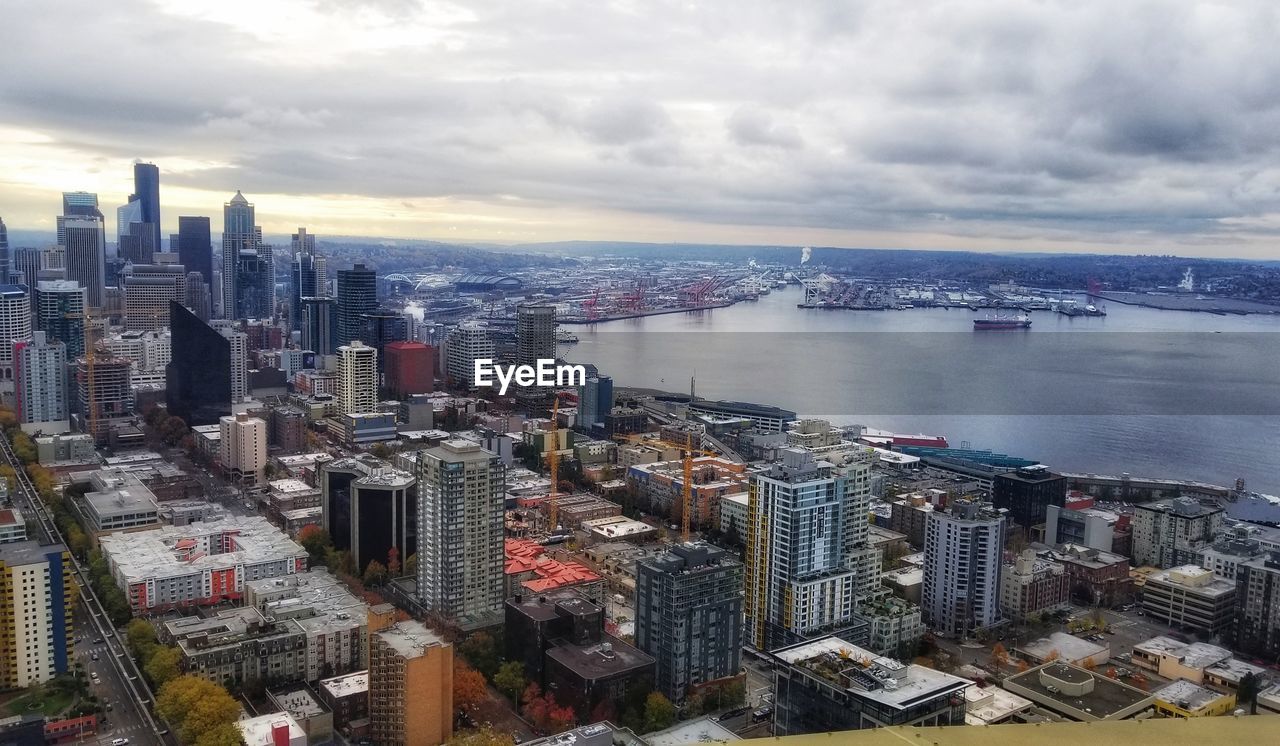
(659, 713)
(141, 637)
(224, 734)
(510, 679)
(163, 665)
(482, 736)
(197, 710)
(375, 573)
(411, 565)
(317, 542)
(481, 652)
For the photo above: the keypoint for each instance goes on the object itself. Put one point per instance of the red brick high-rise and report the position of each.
(410, 368)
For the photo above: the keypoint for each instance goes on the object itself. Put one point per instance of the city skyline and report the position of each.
(1063, 127)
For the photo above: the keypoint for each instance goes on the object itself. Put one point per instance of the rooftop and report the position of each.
(315, 599)
(173, 551)
(1194, 579)
(298, 701)
(700, 730)
(1101, 697)
(1161, 731)
(410, 638)
(1191, 655)
(1069, 647)
(347, 685)
(984, 705)
(257, 731)
(27, 552)
(290, 486)
(606, 658)
(871, 676)
(1187, 695)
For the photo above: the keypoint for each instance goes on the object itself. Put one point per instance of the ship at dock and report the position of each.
(1020, 321)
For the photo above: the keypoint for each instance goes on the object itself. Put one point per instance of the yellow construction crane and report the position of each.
(91, 406)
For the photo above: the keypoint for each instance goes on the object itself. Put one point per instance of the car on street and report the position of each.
(119, 742)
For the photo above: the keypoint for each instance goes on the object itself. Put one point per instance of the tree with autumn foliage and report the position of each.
(375, 573)
(483, 736)
(541, 709)
(197, 709)
(1052, 656)
(469, 690)
(999, 657)
(393, 562)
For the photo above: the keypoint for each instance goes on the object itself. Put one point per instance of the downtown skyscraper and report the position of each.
(195, 247)
(308, 276)
(248, 267)
(82, 233)
(357, 295)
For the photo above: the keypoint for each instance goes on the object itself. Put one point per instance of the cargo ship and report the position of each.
(1021, 321)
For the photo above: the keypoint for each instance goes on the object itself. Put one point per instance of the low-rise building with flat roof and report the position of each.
(1185, 699)
(347, 697)
(1062, 646)
(991, 705)
(829, 684)
(618, 528)
(1173, 659)
(275, 729)
(118, 500)
(199, 564)
(306, 708)
(1077, 693)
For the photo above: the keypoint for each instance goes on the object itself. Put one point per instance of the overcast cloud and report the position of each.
(1007, 124)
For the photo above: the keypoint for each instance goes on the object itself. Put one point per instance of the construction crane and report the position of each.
(91, 406)
(686, 503)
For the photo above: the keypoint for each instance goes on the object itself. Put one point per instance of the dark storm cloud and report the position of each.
(1088, 120)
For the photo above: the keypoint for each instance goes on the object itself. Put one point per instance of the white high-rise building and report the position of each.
(804, 564)
(239, 358)
(40, 381)
(460, 533)
(357, 378)
(465, 345)
(244, 448)
(15, 326)
(85, 255)
(963, 556)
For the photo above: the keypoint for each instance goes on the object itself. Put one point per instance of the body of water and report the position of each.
(1149, 392)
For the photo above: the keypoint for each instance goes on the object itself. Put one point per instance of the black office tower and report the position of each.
(195, 247)
(198, 376)
(1027, 494)
(146, 185)
(357, 295)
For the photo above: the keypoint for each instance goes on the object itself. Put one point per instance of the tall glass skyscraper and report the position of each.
(307, 276)
(198, 376)
(357, 295)
(146, 189)
(195, 247)
(248, 268)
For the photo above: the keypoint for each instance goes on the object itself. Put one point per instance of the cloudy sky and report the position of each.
(1005, 125)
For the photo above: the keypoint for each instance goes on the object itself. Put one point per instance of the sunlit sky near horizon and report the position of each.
(1004, 125)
